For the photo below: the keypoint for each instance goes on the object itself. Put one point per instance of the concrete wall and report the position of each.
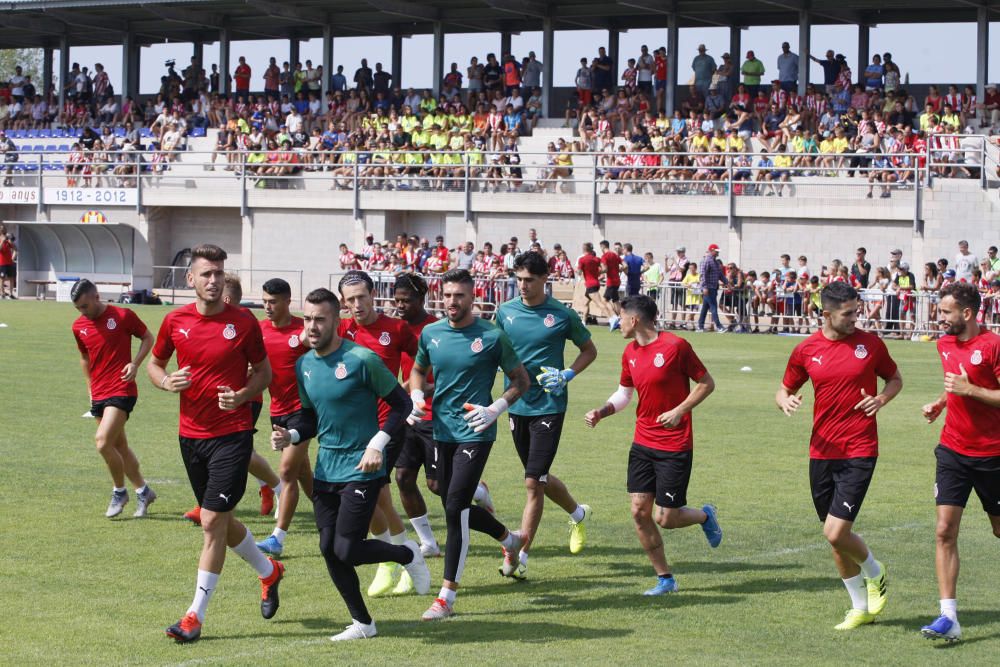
(171, 229)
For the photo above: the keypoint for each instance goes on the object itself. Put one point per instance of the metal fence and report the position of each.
(170, 283)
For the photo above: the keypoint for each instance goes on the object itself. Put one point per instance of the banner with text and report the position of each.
(89, 196)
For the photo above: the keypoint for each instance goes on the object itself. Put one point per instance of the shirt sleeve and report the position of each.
(508, 357)
(423, 358)
(626, 377)
(578, 333)
(79, 342)
(379, 379)
(164, 347)
(136, 326)
(885, 367)
(795, 372)
(303, 395)
(692, 365)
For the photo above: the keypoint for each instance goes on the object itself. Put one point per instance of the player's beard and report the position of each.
(955, 329)
(460, 314)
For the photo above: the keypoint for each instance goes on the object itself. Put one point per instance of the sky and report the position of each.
(915, 48)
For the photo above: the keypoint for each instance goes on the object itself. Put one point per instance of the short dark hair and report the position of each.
(641, 305)
(234, 285)
(210, 252)
(81, 288)
(277, 287)
(458, 276)
(605, 244)
(412, 282)
(862, 249)
(837, 294)
(353, 278)
(965, 295)
(628, 247)
(323, 295)
(533, 263)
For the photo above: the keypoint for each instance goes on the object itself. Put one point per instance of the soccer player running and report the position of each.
(660, 367)
(267, 479)
(340, 386)
(215, 342)
(539, 327)
(463, 352)
(968, 456)
(844, 365)
(104, 334)
(281, 332)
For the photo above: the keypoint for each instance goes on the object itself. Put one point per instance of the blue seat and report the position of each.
(64, 148)
(145, 133)
(45, 133)
(120, 132)
(76, 132)
(15, 134)
(32, 134)
(198, 132)
(59, 133)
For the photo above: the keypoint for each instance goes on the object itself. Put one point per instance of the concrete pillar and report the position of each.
(46, 81)
(63, 70)
(548, 54)
(198, 53)
(438, 59)
(327, 59)
(224, 72)
(396, 67)
(504, 44)
(128, 47)
(864, 48)
(614, 52)
(736, 56)
(982, 52)
(673, 34)
(805, 37)
(293, 52)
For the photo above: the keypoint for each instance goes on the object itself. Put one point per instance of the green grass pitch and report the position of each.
(81, 589)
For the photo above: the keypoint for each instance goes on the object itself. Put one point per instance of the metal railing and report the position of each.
(170, 283)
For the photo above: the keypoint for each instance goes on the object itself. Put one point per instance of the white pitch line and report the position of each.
(787, 551)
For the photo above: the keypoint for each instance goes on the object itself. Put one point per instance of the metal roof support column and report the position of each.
(982, 52)
(128, 65)
(438, 59)
(224, 73)
(63, 70)
(46, 73)
(396, 68)
(673, 33)
(327, 60)
(735, 56)
(864, 49)
(805, 37)
(504, 44)
(198, 53)
(293, 51)
(614, 49)
(548, 53)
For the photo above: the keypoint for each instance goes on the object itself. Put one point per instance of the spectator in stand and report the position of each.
(633, 271)
(272, 78)
(382, 80)
(603, 71)
(990, 108)
(861, 269)
(511, 74)
(531, 72)
(242, 79)
(965, 262)
(752, 70)
(492, 74)
(584, 84)
(874, 74)
(831, 70)
(704, 67)
(363, 77)
(338, 82)
(711, 276)
(474, 73)
(645, 64)
(788, 68)
(891, 76)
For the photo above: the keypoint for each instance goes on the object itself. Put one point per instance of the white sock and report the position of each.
(279, 535)
(207, 581)
(447, 595)
(141, 489)
(248, 551)
(949, 608)
(422, 526)
(870, 568)
(261, 482)
(382, 537)
(508, 541)
(399, 540)
(119, 489)
(577, 514)
(858, 591)
(523, 557)
(480, 494)
(277, 489)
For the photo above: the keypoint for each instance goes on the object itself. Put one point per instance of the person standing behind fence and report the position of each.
(633, 271)
(711, 273)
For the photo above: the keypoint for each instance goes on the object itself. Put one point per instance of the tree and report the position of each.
(30, 61)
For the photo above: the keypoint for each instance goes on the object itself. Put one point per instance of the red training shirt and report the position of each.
(661, 373)
(218, 349)
(612, 262)
(107, 342)
(590, 267)
(407, 361)
(388, 338)
(971, 427)
(6, 253)
(839, 370)
(283, 349)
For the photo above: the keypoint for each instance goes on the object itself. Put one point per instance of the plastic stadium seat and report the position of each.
(45, 133)
(120, 132)
(145, 133)
(198, 132)
(32, 134)
(59, 133)
(64, 148)
(15, 134)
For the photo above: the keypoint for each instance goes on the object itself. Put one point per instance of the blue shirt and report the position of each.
(633, 269)
(338, 82)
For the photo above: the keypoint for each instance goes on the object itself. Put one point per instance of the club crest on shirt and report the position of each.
(384, 338)
(341, 372)
(976, 358)
(658, 360)
(112, 325)
(293, 340)
(229, 332)
(861, 352)
(477, 345)
(549, 321)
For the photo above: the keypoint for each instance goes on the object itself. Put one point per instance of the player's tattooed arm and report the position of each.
(519, 383)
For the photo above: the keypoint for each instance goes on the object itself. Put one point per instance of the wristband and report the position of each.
(379, 441)
(294, 436)
(568, 374)
(499, 405)
(417, 396)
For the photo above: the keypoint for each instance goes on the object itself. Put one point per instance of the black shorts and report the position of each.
(419, 449)
(593, 290)
(255, 410)
(645, 86)
(126, 403)
(611, 294)
(346, 506)
(392, 450)
(293, 420)
(839, 485)
(8, 271)
(633, 290)
(536, 440)
(665, 474)
(217, 468)
(958, 474)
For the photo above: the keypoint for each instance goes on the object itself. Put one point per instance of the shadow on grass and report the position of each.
(751, 586)
(468, 629)
(969, 618)
(626, 601)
